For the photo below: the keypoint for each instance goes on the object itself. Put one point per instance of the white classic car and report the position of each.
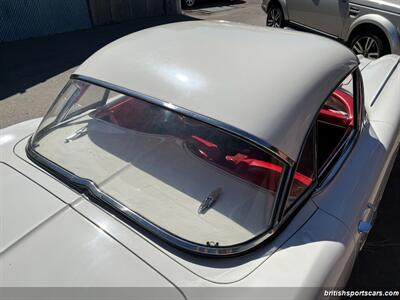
(154, 169)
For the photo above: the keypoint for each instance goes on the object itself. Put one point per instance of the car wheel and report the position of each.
(275, 17)
(369, 45)
(189, 3)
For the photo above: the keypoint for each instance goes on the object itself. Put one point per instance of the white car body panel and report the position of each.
(43, 205)
(376, 75)
(9, 139)
(209, 271)
(311, 248)
(76, 253)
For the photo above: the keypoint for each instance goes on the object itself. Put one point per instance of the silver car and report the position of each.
(369, 27)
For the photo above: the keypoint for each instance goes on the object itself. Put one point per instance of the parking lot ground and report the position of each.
(32, 73)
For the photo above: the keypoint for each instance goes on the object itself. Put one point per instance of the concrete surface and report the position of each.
(32, 73)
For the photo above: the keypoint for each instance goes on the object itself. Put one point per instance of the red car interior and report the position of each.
(246, 163)
(335, 121)
(341, 118)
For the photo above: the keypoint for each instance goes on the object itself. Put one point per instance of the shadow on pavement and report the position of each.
(378, 264)
(26, 63)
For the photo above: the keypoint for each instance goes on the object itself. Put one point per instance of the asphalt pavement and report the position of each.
(32, 72)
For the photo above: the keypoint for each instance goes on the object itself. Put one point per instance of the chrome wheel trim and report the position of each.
(274, 18)
(189, 3)
(366, 46)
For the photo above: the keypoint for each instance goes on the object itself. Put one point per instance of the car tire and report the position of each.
(275, 16)
(370, 45)
(188, 3)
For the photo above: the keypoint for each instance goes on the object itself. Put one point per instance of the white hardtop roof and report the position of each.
(266, 82)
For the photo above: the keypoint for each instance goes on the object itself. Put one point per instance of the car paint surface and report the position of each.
(41, 202)
(339, 19)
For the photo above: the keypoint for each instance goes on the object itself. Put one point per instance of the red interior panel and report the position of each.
(335, 117)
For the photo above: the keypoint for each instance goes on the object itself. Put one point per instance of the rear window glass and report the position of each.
(187, 177)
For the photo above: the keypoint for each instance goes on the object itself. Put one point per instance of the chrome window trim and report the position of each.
(336, 161)
(284, 216)
(90, 189)
(309, 189)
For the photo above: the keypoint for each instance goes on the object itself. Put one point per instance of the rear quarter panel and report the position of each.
(320, 254)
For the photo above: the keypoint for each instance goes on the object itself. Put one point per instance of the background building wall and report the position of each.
(114, 11)
(21, 19)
